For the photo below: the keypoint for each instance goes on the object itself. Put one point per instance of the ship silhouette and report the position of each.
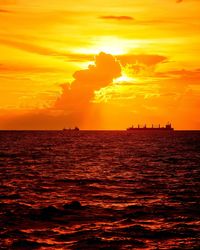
(71, 129)
(167, 127)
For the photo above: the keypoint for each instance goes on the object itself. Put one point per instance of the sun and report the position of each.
(109, 44)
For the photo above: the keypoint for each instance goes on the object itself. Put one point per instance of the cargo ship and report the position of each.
(167, 127)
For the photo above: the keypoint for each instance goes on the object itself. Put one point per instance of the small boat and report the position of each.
(71, 129)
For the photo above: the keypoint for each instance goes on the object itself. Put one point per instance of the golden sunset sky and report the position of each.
(99, 64)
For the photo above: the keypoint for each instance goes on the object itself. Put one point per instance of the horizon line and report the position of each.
(60, 130)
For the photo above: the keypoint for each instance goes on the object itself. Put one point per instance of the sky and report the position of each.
(105, 64)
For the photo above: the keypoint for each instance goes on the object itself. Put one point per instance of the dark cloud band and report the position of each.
(118, 18)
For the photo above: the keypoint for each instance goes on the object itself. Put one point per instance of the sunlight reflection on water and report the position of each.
(135, 190)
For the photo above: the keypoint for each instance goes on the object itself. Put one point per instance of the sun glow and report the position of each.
(95, 50)
(124, 79)
(110, 45)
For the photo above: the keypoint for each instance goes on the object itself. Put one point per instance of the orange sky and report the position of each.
(99, 64)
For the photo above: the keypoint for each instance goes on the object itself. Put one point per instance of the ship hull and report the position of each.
(150, 129)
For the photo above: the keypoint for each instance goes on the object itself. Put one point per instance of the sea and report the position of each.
(90, 190)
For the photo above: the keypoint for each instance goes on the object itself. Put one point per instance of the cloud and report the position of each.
(76, 99)
(32, 48)
(146, 59)
(44, 51)
(5, 11)
(183, 77)
(118, 18)
(143, 64)
(36, 119)
(11, 69)
(179, 1)
(106, 68)
(8, 2)
(79, 93)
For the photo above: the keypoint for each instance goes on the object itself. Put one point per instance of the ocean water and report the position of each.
(99, 190)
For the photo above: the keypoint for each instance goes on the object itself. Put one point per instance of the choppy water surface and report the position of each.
(99, 190)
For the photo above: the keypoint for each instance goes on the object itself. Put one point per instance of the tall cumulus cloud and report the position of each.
(78, 94)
